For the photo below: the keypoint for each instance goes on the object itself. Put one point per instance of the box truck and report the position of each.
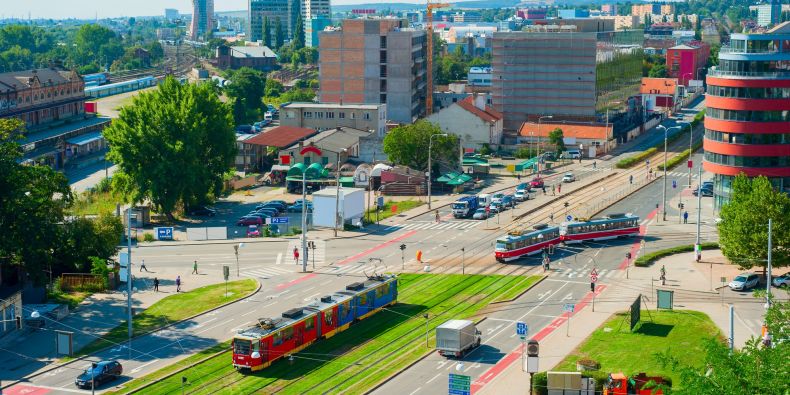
(455, 338)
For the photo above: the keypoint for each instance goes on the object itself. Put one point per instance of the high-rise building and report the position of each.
(747, 120)
(202, 19)
(171, 14)
(570, 74)
(287, 11)
(573, 13)
(641, 10)
(769, 14)
(374, 61)
(314, 26)
(315, 8)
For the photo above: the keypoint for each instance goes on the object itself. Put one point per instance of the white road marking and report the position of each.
(279, 258)
(248, 313)
(200, 325)
(139, 368)
(433, 378)
(415, 391)
(307, 299)
(215, 326)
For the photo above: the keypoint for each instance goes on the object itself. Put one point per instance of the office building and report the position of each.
(202, 19)
(747, 120)
(573, 13)
(171, 14)
(315, 8)
(259, 58)
(314, 26)
(609, 9)
(467, 17)
(374, 61)
(686, 61)
(569, 74)
(322, 116)
(769, 14)
(531, 13)
(287, 11)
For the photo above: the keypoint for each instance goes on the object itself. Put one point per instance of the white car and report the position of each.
(521, 196)
(497, 198)
(480, 214)
(782, 281)
(744, 282)
(568, 177)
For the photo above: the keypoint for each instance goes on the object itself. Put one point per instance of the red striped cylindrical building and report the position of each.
(747, 120)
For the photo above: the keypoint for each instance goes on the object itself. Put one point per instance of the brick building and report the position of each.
(685, 61)
(258, 58)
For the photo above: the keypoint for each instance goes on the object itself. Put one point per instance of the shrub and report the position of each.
(680, 158)
(647, 259)
(638, 158)
(148, 237)
(540, 383)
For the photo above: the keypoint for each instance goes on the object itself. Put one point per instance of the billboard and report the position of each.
(636, 312)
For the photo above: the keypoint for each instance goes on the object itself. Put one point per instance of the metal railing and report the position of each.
(753, 74)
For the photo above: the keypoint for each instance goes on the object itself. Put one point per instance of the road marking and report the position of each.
(249, 312)
(433, 378)
(531, 310)
(31, 389)
(307, 289)
(441, 363)
(415, 391)
(279, 258)
(307, 299)
(215, 326)
(139, 368)
(543, 295)
(200, 325)
(326, 282)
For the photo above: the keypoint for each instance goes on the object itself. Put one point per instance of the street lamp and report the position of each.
(304, 220)
(430, 143)
(540, 119)
(337, 190)
(664, 194)
(691, 143)
(236, 249)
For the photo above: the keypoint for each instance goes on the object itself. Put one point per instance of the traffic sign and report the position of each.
(380, 201)
(690, 164)
(593, 278)
(459, 384)
(164, 233)
(674, 184)
(279, 220)
(568, 307)
(521, 328)
(569, 218)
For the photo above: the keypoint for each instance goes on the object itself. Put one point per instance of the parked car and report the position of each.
(274, 206)
(536, 182)
(521, 196)
(480, 214)
(509, 201)
(568, 177)
(744, 282)
(548, 156)
(280, 202)
(782, 281)
(249, 220)
(253, 231)
(202, 211)
(497, 198)
(297, 208)
(268, 211)
(495, 207)
(99, 373)
(523, 187)
(245, 129)
(571, 154)
(705, 191)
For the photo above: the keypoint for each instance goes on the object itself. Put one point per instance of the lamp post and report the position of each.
(236, 249)
(337, 190)
(540, 119)
(304, 220)
(430, 144)
(664, 193)
(691, 143)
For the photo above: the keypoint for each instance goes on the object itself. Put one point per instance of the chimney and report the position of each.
(480, 101)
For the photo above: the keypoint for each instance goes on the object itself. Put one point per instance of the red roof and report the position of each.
(281, 136)
(489, 115)
(577, 130)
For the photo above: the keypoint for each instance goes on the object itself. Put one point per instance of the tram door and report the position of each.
(299, 336)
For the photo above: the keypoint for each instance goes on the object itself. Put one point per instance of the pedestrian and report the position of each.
(142, 266)
(580, 159)
(650, 173)
(437, 216)
(544, 189)
(631, 179)
(685, 217)
(518, 176)
(663, 275)
(296, 255)
(178, 284)
(559, 189)
(553, 191)
(594, 165)
(194, 268)
(156, 284)
(551, 217)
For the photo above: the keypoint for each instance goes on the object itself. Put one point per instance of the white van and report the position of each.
(571, 154)
(483, 199)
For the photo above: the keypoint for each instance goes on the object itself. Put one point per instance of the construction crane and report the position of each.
(429, 55)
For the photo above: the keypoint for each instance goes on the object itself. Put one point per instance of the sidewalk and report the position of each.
(689, 280)
(96, 315)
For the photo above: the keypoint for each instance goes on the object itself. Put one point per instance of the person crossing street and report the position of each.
(142, 266)
(296, 255)
(194, 268)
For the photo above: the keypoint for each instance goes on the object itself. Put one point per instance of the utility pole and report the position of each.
(129, 275)
(691, 141)
(304, 220)
(697, 246)
(463, 260)
(768, 271)
(426, 329)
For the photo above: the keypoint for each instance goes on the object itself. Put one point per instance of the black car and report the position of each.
(99, 373)
(705, 191)
(203, 211)
(245, 129)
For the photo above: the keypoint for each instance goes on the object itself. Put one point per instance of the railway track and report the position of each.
(179, 64)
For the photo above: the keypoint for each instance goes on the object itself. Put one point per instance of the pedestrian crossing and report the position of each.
(433, 225)
(559, 271)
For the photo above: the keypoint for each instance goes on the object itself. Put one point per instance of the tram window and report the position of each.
(382, 290)
(328, 317)
(241, 347)
(363, 299)
(277, 339)
(346, 309)
(288, 333)
(256, 346)
(309, 324)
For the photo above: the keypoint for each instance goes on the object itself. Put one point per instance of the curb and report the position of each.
(522, 293)
(60, 365)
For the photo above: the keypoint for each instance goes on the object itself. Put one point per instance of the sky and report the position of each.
(86, 9)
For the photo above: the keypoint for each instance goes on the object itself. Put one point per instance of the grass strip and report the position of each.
(517, 289)
(617, 349)
(356, 359)
(649, 258)
(683, 156)
(174, 308)
(386, 211)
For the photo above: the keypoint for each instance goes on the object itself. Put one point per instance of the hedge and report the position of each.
(639, 158)
(681, 157)
(647, 259)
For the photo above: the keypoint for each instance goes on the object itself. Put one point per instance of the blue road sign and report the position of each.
(521, 328)
(569, 218)
(279, 220)
(569, 307)
(380, 201)
(674, 184)
(164, 233)
(459, 384)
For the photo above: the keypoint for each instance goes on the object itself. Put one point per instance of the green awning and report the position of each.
(447, 177)
(296, 170)
(347, 181)
(527, 164)
(474, 161)
(315, 170)
(460, 180)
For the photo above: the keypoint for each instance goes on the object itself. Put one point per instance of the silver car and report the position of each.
(480, 214)
(744, 282)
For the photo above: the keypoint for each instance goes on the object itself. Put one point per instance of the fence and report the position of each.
(207, 233)
(81, 281)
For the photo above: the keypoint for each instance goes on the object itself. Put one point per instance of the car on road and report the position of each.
(495, 207)
(480, 214)
(705, 191)
(99, 373)
(571, 154)
(521, 196)
(245, 129)
(523, 187)
(509, 201)
(249, 220)
(548, 156)
(782, 281)
(497, 198)
(536, 182)
(253, 231)
(568, 177)
(744, 282)
(202, 211)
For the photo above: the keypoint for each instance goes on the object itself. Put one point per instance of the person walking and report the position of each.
(663, 275)
(594, 165)
(437, 216)
(631, 179)
(142, 266)
(194, 268)
(559, 189)
(178, 284)
(553, 188)
(296, 255)
(544, 188)
(156, 284)
(685, 217)
(518, 176)
(551, 217)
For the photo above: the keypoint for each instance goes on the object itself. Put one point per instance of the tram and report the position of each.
(520, 243)
(257, 347)
(610, 227)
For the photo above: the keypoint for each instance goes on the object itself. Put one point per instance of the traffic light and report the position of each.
(628, 255)
(402, 247)
(681, 206)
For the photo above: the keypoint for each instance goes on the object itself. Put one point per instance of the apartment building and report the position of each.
(322, 116)
(641, 10)
(286, 11)
(374, 61)
(202, 19)
(686, 61)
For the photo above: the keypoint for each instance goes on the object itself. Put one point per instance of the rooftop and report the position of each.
(335, 140)
(575, 130)
(252, 52)
(333, 105)
(660, 86)
(281, 136)
(23, 78)
(488, 115)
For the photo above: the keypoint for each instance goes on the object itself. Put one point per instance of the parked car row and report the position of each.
(747, 281)
(261, 212)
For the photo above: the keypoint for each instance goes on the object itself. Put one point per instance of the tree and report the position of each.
(172, 146)
(247, 88)
(659, 70)
(743, 230)
(279, 35)
(267, 32)
(83, 238)
(408, 145)
(556, 137)
(754, 369)
(273, 88)
(298, 41)
(97, 43)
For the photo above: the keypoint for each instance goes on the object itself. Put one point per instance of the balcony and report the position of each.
(766, 75)
(729, 49)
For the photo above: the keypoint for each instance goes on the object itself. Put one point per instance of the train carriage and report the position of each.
(520, 243)
(610, 227)
(257, 347)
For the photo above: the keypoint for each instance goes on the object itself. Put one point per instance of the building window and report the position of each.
(319, 115)
(366, 116)
(308, 114)
(330, 115)
(290, 114)
(341, 115)
(353, 115)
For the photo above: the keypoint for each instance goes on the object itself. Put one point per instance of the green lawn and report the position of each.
(371, 350)
(680, 332)
(174, 308)
(72, 299)
(94, 203)
(386, 212)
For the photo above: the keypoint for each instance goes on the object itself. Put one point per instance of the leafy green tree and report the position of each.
(267, 32)
(558, 140)
(172, 146)
(279, 34)
(408, 145)
(273, 88)
(94, 42)
(659, 70)
(83, 238)
(743, 230)
(298, 42)
(246, 88)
